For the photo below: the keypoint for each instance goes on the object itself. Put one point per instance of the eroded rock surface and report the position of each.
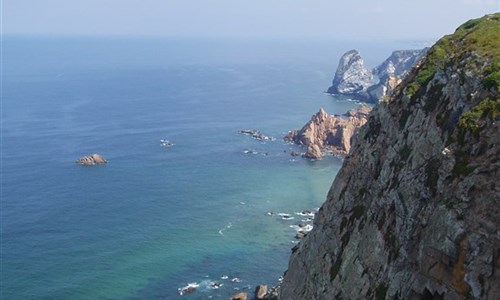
(329, 133)
(414, 211)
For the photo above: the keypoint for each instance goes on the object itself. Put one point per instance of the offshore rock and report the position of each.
(392, 71)
(239, 296)
(413, 212)
(329, 133)
(352, 77)
(399, 63)
(94, 159)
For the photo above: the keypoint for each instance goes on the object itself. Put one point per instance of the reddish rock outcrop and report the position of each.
(329, 133)
(94, 159)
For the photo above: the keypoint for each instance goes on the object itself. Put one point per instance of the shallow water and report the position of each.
(154, 218)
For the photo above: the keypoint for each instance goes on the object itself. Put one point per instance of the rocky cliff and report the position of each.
(414, 211)
(398, 63)
(329, 133)
(353, 79)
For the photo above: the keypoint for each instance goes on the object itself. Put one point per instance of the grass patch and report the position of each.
(469, 120)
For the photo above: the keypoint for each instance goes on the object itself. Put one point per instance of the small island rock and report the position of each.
(94, 159)
(329, 133)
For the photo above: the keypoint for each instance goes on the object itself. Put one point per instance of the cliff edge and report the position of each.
(414, 211)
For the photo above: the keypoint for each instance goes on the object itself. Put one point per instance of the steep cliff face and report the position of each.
(414, 211)
(398, 63)
(351, 77)
(392, 71)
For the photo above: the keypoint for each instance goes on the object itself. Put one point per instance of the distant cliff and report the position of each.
(414, 211)
(353, 79)
(329, 133)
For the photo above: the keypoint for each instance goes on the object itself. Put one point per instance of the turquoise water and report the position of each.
(155, 219)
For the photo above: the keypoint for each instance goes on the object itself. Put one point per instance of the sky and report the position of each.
(343, 19)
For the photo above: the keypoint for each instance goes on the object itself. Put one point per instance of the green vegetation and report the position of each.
(462, 168)
(334, 270)
(481, 36)
(486, 108)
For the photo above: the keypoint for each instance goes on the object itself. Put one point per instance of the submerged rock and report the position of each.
(94, 159)
(256, 135)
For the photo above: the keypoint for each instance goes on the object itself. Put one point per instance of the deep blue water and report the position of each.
(154, 218)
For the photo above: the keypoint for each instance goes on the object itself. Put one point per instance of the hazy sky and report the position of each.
(391, 19)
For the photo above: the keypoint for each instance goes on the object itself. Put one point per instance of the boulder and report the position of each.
(260, 292)
(94, 159)
(313, 151)
(239, 296)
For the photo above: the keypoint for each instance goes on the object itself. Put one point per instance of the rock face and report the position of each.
(329, 133)
(94, 159)
(414, 211)
(399, 63)
(351, 77)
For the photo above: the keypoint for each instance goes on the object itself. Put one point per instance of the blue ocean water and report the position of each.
(155, 219)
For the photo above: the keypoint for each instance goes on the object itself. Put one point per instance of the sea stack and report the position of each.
(329, 133)
(352, 78)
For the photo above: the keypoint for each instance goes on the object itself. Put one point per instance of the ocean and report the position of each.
(155, 219)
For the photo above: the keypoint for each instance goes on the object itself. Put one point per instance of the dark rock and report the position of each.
(256, 135)
(300, 235)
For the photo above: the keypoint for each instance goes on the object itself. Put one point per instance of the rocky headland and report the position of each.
(91, 160)
(329, 133)
(414, 211)
(354, 79)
